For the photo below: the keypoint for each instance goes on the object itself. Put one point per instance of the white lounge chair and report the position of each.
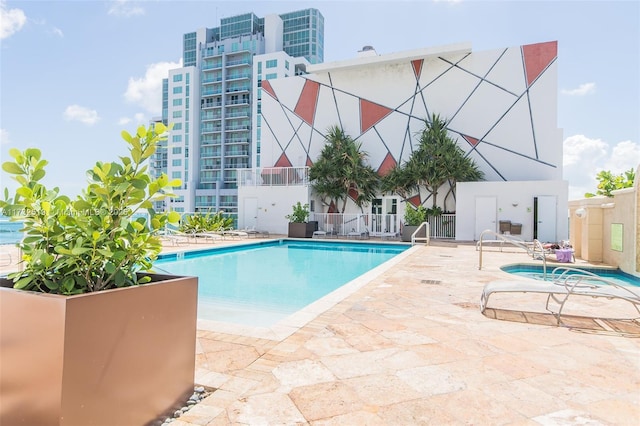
(566, 282)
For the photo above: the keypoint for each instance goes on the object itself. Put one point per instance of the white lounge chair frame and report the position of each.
(566, 282)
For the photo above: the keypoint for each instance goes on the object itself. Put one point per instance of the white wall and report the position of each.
(514, 202)
(274, 203)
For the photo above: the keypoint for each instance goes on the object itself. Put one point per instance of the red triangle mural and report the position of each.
(415, 200)
(266, 86)
(537, 57)
(353, 194)
(307, 102)
(309, 162)
(417, 67)
(472, 141)
(387, 164)
(371, 114)
(283, 161)
(332, 208)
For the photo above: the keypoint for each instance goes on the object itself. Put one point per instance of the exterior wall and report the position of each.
(591, 222)
(501, 107)
(273, 204)
(514, 201)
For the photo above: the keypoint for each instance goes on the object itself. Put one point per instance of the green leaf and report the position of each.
(33, 152)
(68, 283)
(51, 285)
(175, 183)
(119, 278)
(77, 251)
(23, 282)
(173, 217)
(139, 183)
(12, 168)
(25, 191)
(38, 174)
(125, 135)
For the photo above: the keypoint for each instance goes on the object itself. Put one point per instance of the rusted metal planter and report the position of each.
(115, 357)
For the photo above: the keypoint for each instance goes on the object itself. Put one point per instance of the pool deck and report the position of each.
(408, 346)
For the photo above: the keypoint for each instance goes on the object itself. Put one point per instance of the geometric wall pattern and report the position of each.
(500, 106)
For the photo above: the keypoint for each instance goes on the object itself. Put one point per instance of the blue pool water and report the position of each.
(536, 271)
(260, 284)
(9, 231)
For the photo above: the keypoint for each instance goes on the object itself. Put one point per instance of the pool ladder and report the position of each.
(536, 250)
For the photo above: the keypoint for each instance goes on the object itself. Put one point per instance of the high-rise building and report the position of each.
(213, 101)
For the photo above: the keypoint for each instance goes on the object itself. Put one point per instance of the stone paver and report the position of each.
(411, 347)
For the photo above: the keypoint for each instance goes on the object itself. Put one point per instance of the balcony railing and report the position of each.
(274, 176)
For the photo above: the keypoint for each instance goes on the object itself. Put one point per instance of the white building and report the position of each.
(500, 106)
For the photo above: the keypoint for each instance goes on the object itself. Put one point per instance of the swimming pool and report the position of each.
(536, 272)
(262, 283)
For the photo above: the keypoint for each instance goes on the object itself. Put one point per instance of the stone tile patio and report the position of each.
(410, 346)
(407, 345)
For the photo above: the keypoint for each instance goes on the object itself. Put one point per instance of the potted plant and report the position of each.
(413, 218)
(87, 336)
(298, 225)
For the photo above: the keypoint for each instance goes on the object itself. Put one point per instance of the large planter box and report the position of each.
(302, 230)
(115, 357)
(408, 230)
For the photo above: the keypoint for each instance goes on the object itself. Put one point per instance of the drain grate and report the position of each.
(430, 282)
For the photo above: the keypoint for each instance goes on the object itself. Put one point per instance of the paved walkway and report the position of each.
(411, 347)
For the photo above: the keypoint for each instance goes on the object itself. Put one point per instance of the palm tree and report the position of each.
(437, 160)
(341, 172)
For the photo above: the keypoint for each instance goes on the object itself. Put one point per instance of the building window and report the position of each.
(259, 67)
(272, 63)
(177, 77)
(177, 162)
(272, 76)
(177, 89)
(177, 138)
(176, 175)
(177, 114)
(176, 150)
(286, 64)
(177, 102)
(177, 126)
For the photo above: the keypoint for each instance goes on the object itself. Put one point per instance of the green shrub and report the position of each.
(415, 216)
(104, 237)
(300, 213)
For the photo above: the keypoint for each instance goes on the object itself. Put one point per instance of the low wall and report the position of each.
(607, 229)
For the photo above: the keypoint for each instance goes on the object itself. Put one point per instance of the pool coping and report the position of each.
(292, 323)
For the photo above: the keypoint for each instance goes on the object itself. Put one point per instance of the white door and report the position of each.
(545, 218)
(250, 213)
(486, 214)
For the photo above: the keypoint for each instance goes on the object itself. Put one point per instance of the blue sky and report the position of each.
(73, 74)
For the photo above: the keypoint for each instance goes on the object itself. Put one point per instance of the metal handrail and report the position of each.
(532, 250)
(425, 239)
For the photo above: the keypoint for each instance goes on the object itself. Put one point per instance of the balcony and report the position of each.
(211, 129)
(237, 128)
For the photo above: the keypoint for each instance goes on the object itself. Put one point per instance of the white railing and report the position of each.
(274, 176)
(415, 238)
(383, 225)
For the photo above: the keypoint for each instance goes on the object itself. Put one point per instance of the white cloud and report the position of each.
(11, 21)
(123, 121)
(57, 32)
(81, 114)
(585, 157)
(583, 89)
(124, 8)
(147, 91)
(4, 137)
